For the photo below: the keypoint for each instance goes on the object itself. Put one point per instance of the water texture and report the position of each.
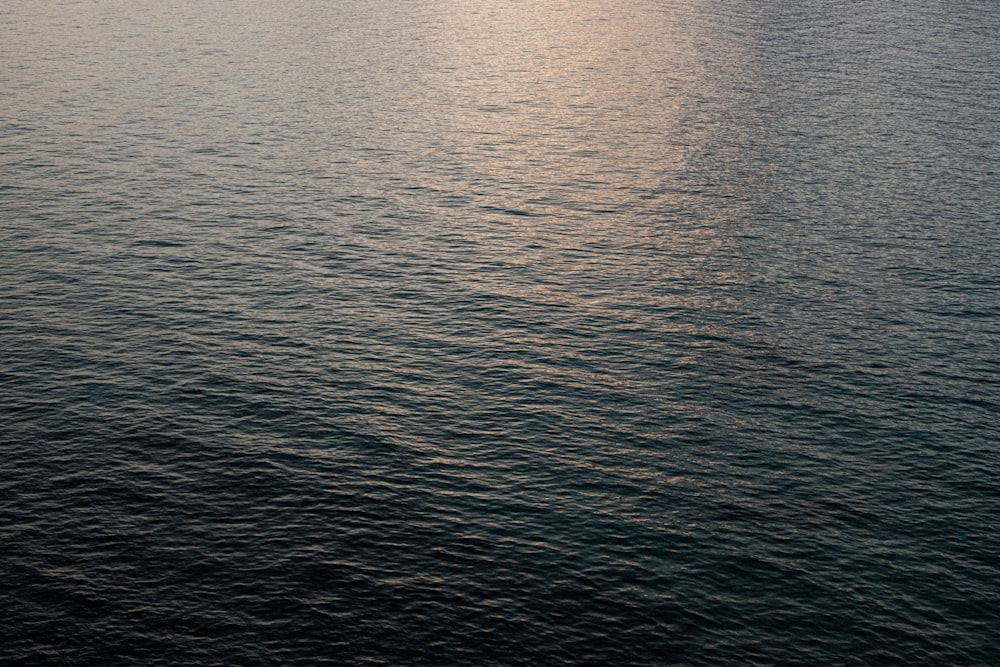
(476, 332)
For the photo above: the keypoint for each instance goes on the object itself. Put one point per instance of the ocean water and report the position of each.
(496, 332)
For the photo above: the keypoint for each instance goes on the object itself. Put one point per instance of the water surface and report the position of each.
(499, 333)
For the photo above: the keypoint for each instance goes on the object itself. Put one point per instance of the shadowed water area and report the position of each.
(475, 332)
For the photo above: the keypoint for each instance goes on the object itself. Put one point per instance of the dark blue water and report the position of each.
(499, 333)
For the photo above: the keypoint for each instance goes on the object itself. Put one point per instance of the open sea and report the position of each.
(499, 332)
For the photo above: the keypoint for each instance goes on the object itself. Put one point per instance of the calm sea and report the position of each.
(497, 332)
